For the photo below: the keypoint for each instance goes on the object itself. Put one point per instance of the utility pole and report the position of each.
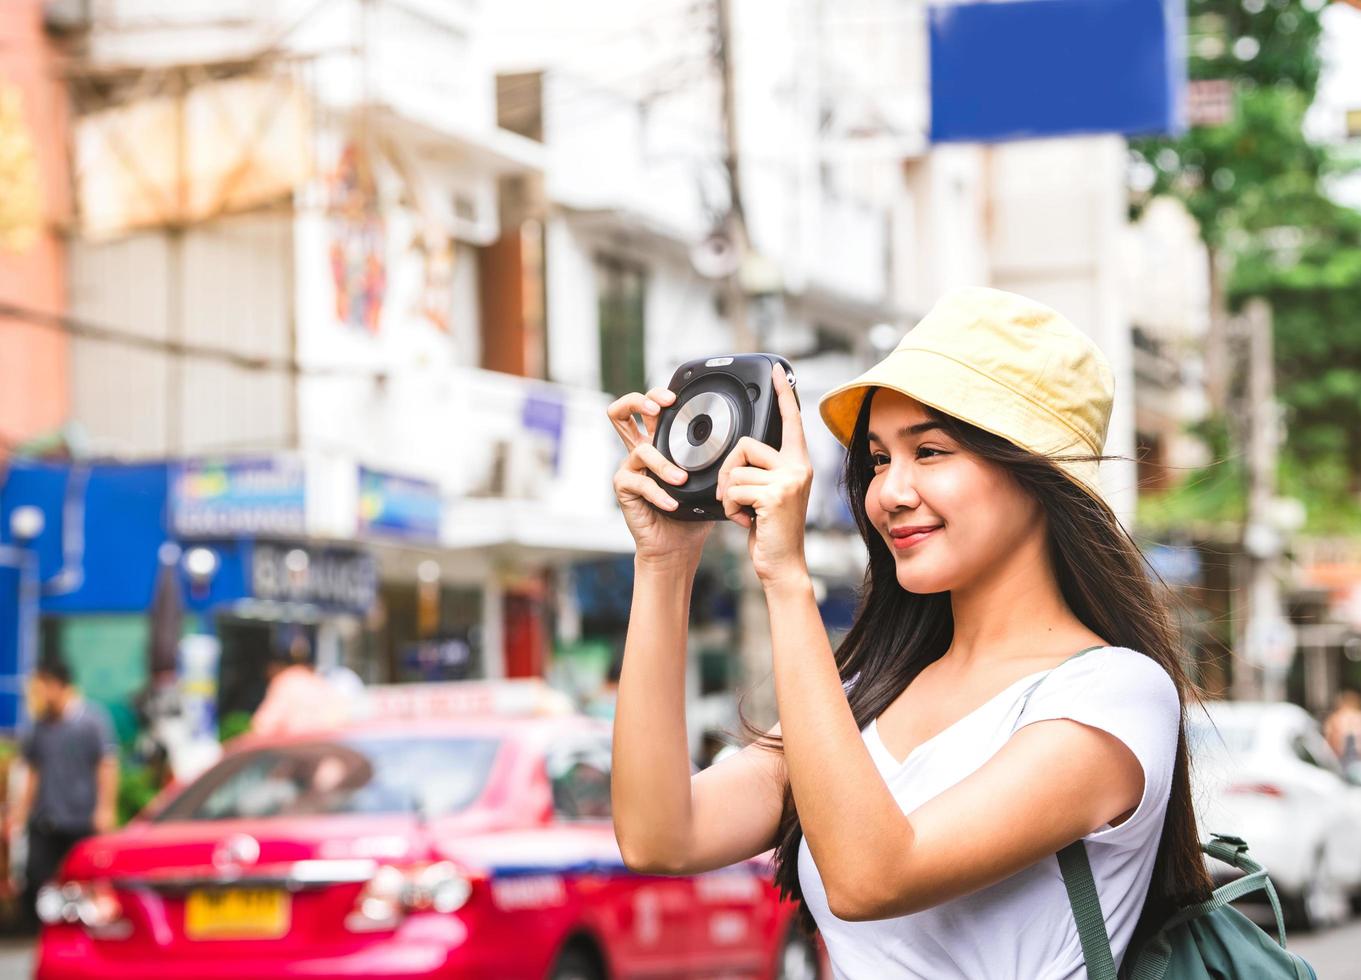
(1265, 638)
(753, 616)
(1217, 361)
(735, 221)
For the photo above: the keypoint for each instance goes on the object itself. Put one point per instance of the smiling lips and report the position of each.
(906, 537)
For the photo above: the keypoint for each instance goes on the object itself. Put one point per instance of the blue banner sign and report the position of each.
(17, 619)
(227, 498)
(1035, 68)
(398, 505)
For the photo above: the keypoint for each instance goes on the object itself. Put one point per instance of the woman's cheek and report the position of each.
(872, 508)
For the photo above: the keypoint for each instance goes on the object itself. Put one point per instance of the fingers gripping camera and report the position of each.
(718, 401)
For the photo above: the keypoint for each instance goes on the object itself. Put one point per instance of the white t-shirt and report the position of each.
(1021, 928)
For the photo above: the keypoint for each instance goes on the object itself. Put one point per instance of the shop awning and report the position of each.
(526, 530)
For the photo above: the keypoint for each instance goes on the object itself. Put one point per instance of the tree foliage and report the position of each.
(1257, 188)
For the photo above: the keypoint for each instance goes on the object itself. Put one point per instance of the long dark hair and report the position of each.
(1104, 580)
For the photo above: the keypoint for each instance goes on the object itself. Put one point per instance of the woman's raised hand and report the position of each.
(658, 537)
(774, 485)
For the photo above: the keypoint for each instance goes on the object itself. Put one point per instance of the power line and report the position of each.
(87, 329)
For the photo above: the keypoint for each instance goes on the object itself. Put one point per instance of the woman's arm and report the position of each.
(650, 780)
(1052, 782)
(666, 821)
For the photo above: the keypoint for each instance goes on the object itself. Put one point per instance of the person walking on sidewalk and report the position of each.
(1342, 728)
(297, 698)
(1011, 683)
(71, 787)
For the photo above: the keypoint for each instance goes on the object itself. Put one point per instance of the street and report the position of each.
(16, 959)
(1332, 954)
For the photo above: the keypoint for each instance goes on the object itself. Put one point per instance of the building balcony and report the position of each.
(521, 465)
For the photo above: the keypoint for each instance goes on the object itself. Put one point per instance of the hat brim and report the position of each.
(963, 393)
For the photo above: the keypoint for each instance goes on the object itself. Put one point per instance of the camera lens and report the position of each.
(705, 427)
(700, 430)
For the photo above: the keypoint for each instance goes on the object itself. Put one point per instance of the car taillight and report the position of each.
(1257, 789)
(393, 892)
(91, 904)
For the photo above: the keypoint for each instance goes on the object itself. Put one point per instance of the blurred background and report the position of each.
(310, 311)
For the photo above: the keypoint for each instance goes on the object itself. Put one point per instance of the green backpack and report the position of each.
(1209, 941)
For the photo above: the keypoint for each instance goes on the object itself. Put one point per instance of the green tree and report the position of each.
(1257, 188)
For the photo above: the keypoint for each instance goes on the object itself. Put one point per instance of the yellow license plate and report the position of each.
(237, 913)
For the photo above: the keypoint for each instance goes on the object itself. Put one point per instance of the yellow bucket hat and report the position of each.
(1004, 363)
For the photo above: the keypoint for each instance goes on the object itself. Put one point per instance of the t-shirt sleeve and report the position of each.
(1129, 695)
(28, 745)
(103, 731)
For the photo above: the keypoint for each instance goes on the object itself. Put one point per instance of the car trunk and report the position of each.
(229, 888)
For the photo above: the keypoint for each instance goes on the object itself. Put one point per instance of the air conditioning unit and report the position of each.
(521, 468)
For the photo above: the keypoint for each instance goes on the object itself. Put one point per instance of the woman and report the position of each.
(923, 776)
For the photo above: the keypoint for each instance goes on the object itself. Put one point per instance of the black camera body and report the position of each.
(718, 401)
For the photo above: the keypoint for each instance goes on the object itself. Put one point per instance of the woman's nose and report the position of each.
(898, 490)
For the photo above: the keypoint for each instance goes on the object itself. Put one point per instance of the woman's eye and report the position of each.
(928, 449)
(879, 459)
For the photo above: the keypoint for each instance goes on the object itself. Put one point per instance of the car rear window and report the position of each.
(1224, 737)
(429, 776)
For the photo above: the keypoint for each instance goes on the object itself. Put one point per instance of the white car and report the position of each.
(1263, 772)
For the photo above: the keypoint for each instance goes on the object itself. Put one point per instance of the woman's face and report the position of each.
(977, 515)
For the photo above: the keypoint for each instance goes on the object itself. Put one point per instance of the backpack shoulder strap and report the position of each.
(1026, 700)
(1091, 923)
(1081, 888)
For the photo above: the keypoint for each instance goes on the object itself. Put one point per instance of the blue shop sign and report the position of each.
(227, 498)
(102, 526)
(398, 505)
(1036, 68)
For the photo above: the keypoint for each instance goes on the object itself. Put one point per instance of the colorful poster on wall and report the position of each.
(228, 498)
(439, 259)
(358, 242)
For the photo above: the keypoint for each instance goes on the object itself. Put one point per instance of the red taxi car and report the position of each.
(404, 848)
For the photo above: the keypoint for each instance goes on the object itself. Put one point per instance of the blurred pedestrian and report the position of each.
(602, 702)
(1342, 728)
(297, 698)
(1011, 687)
(71, 788)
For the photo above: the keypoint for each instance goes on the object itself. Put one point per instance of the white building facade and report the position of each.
(290, 243)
